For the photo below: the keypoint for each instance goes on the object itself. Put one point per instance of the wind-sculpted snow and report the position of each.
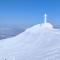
(40, 42)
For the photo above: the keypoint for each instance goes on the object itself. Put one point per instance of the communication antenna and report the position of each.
(45, 18)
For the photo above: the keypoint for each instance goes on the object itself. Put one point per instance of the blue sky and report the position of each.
(24, 13)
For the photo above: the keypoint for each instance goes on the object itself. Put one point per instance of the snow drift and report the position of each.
(40, 42)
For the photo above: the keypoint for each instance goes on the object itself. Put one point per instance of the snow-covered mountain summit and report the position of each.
(40, 42)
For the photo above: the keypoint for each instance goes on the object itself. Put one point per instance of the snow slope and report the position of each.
(40, 42)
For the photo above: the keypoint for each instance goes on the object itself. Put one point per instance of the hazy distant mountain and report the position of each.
(6, 32)
(57, 26)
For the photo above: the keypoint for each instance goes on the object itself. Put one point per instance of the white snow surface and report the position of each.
(40, 42)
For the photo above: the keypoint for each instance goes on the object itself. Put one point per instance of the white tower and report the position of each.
(47, 24)
(45, 18)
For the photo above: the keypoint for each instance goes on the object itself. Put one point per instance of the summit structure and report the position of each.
(45, 18)
(46, 24)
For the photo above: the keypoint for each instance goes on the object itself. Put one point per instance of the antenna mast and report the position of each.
(45, 18)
